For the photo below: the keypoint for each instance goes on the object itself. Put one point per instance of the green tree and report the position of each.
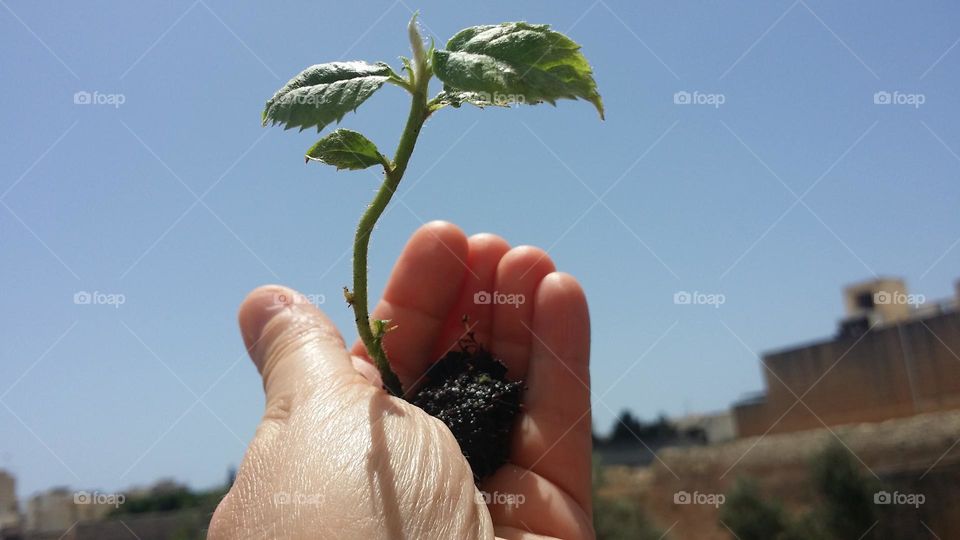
(845, 507)
(753, 517)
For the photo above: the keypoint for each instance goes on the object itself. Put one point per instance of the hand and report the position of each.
(337, 457)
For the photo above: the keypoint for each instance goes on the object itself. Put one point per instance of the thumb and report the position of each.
(295, 347)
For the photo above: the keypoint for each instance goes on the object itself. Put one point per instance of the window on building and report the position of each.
(865, 300)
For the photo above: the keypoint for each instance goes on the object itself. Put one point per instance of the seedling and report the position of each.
(492, 65)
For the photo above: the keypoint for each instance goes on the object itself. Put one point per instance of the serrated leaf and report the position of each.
(324, 93)
(517, 62)
(456, 98)
(345, 149)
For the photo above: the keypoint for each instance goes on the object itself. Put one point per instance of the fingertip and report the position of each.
(528, 260)
(438, 241)
(488, 243)
(560, 303)
(273, 314)
(261, 305)
(562, 286)
(444, 231)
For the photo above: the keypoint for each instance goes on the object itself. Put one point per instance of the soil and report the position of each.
(468, 390)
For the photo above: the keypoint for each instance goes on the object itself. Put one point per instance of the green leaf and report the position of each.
(345, 149)
(323, 93)
(518, 63)
(407, 64)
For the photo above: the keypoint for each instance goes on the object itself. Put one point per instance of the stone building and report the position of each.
(59, 509)
(894, 356)
(9, 511)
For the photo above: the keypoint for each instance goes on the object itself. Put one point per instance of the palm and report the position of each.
(544, 340)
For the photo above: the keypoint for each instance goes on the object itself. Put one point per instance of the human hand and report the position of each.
(336, 456)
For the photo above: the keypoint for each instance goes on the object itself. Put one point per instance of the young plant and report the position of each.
(501, 65)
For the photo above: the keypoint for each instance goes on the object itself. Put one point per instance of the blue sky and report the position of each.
(178, 200)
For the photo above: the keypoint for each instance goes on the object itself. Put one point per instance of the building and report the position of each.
(717, 427)
(51, 511)
(59, 509)
(894, 356)
(9, 511)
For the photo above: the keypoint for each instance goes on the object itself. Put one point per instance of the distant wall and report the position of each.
(891, 372)
(910, 455)
(182, 524)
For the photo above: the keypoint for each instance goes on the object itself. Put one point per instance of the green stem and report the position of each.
(372, 337)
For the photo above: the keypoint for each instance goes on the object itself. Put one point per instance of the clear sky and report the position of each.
(176, 199)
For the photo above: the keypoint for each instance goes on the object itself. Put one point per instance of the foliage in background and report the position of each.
(171, 499)
(618, 518)
(846, 508)
(751, 516)
(844, 505)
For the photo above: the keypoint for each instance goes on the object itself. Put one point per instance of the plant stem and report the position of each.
(372, 337)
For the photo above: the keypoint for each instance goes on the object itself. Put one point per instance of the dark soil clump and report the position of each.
(468, 391)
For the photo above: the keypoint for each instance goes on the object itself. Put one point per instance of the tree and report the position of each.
(750, 516)
(846, 507)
